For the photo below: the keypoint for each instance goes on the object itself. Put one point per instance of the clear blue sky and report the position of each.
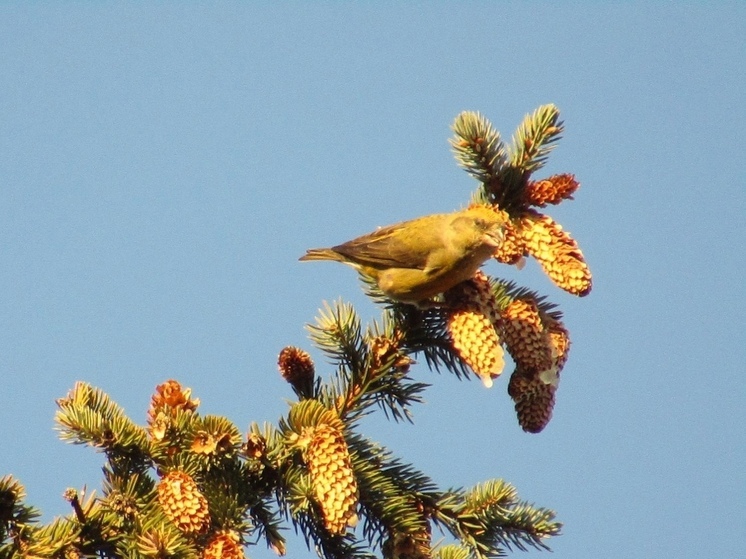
(163, 167)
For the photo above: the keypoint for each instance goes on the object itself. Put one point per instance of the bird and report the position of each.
(416, 260)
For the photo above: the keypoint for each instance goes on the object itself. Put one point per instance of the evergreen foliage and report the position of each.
(185, 486)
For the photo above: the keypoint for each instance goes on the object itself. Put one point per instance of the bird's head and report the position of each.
(486, 223)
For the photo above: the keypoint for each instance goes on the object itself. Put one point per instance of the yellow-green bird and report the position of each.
(415, 260)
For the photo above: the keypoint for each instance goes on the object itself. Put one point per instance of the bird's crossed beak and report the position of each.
(494, 238)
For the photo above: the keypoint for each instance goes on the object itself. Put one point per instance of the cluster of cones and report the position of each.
(482, 317)
(532, 233)
(327, 456)
(537, 342)
(179, 495)
(325, 451)
(187, 508)
(479, 325)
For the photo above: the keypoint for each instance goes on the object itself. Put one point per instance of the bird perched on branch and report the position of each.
(415, 260)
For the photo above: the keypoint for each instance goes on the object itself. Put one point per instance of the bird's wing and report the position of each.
(390, 247)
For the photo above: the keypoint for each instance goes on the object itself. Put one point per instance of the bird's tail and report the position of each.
(321, 254)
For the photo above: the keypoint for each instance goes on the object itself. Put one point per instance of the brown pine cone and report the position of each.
(534, 400)
(550, 191)
(512, 249)
(524, 335)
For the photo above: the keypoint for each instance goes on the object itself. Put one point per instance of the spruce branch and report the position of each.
(425, 332)
(229, 499)
(504, 172)
(14, 513)
(215, 439)
(384, 381)
(268, 525)
(54, 538)
(420, 329)
(480, 151)
(158, 539)
(512, 521)
(372, 366)
(187, 486)
(339, 335)
(126, 495)
(490, 518)
(478, 147)
(88, 416)
(454, 551)
(326, 546)
(394, 496)
(535, 138)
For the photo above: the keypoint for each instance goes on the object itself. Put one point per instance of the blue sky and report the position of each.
(163, 167)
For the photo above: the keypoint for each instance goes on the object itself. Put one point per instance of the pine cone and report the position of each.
(223, 545)
(170, 397)
(384, 350)
(183, 502)
(475, 341)
(512, 249)
(533, 389)
(211, 444)
(525, 337)
(333, 479)
(550, 191)
(297, 368)
(256, 446)
(475, 294)
(556, 251)
(534, 400)
(471, 325)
